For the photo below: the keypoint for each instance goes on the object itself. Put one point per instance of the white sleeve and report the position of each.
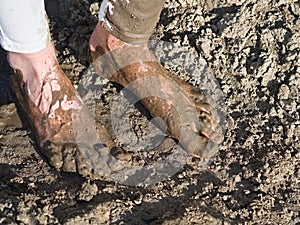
(23, 25)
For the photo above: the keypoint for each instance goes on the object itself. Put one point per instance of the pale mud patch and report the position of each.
(9, 117)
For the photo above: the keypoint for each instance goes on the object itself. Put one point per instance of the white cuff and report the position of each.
(23, 26)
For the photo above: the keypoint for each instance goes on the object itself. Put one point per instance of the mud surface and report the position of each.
(253, 49)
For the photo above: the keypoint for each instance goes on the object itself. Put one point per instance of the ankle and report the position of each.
(34, 66)
(103, 38)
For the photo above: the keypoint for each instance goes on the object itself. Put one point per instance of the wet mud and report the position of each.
(252, 48)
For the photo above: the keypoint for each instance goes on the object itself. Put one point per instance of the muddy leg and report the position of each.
(149, 76)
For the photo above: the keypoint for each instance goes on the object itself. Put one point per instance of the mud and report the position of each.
(253, 49)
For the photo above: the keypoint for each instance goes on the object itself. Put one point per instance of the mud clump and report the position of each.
(253, 49)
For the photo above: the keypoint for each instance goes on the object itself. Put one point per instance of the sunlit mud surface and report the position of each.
(253, 49)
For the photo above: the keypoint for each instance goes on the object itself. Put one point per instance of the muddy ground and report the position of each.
(253, 49)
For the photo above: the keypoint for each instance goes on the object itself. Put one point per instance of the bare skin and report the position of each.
(48, 98)
(34, 67)
(196, 131)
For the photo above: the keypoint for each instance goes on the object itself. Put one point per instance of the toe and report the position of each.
(82, 167)
(196, 148)
(56, 160)
(53, 153)
(69, 164)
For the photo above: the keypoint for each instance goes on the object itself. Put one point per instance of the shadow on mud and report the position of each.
(5, 97)
(154, 212)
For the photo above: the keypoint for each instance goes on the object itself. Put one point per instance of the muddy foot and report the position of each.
(182, 107)
(61, 128)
